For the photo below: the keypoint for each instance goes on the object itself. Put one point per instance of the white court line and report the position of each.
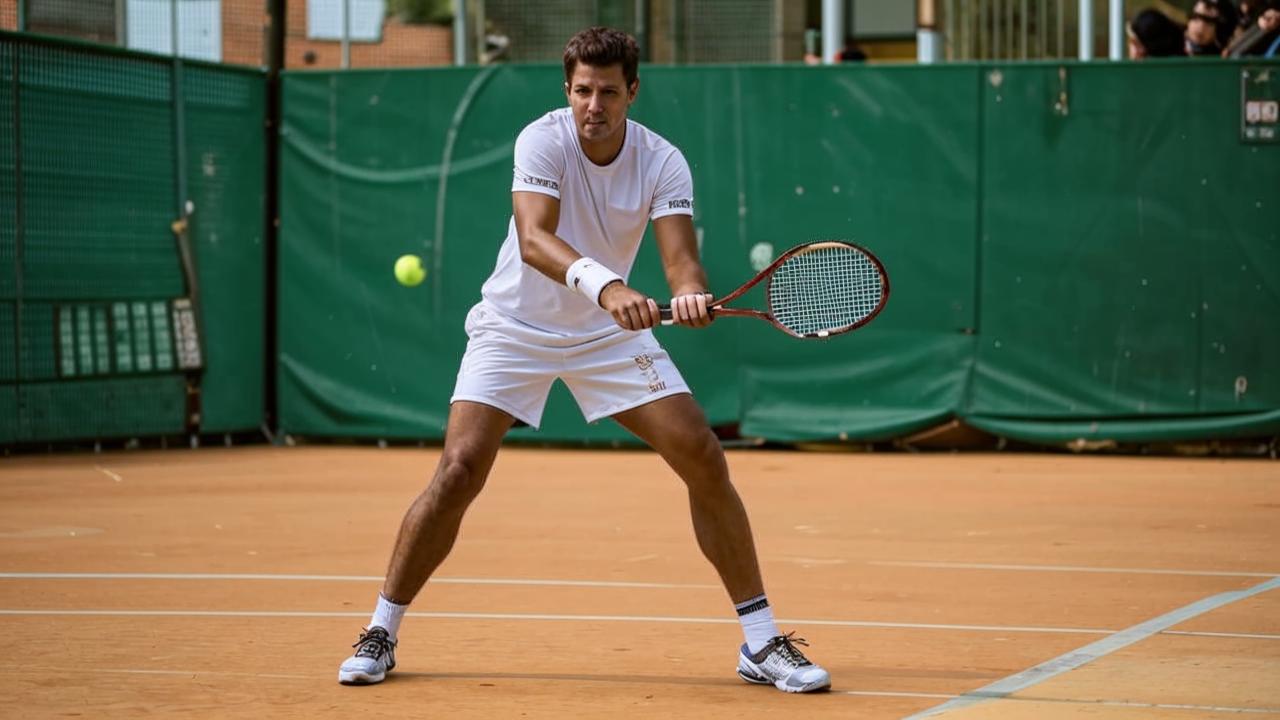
(594, 618)
(543, 616)
(1068, 568)
(340, 578)
(1198, 633)
(1072, 701)
(108, 473)
(27, 670)
(1005, 687)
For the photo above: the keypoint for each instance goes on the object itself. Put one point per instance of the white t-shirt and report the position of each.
(603, 214)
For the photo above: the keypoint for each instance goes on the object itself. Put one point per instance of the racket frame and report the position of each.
(716, 306)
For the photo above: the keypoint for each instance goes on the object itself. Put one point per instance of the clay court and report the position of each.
(229, 582)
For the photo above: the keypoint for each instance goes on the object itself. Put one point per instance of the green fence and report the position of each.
(1076, 250)
(99, 151)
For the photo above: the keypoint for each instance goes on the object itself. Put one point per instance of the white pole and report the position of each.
(832, 30)
(1115, 38)
(346, 34)
(1086, 29)
(459, 32)
(929, 42)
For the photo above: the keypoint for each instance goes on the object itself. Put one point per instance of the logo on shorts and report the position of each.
(645, 363)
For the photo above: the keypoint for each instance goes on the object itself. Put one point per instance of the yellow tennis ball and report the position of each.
(409, 270)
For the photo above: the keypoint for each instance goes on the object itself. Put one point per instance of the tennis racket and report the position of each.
(814, 290)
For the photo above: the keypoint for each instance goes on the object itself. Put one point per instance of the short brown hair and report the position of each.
(602, 47)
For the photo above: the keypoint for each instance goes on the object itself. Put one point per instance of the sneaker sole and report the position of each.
(360, 678)
(755, 679)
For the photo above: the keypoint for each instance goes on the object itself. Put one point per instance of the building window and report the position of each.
(149, 26)
(325, 19)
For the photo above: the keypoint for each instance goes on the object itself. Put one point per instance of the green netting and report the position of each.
(8, 341)
(38, 359)
(8, 180)
(101, 268)
(8, 413)
(97, 175)
(226, 155)
(125, 407)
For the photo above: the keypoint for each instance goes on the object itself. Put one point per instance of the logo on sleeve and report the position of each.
(683, 203)
(540, 182)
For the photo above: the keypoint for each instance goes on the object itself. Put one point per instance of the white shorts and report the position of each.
(510, 366)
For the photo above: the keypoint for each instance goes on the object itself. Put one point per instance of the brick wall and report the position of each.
(8, 14)
(244, 32)
(401, 44)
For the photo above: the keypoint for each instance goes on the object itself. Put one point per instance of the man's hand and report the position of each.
(691, 309)
(630, 309)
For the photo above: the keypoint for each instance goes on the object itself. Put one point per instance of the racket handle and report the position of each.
(668, 318)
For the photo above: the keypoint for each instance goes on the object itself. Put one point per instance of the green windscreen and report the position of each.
(92, 290)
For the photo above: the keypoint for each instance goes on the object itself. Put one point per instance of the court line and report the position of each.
(1073, 701)
(114, 476)
(1076, 658)
(1068, 568)
(607, 618)
(544, 616)
(341, 578)
(1200, 633)
(26, 670)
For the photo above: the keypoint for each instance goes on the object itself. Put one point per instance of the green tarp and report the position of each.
(1068, 245)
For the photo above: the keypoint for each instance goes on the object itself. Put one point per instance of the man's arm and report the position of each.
(678, 245)
(537, 217)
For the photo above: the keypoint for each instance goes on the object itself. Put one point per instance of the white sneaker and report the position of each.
(375, 657)
(780, 664)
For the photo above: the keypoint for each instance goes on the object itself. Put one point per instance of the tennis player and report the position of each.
(587, 183)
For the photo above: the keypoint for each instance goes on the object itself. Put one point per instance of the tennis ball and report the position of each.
(409, 270)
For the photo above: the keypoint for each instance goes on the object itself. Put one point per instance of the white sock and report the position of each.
(757, 622)
(388, 615)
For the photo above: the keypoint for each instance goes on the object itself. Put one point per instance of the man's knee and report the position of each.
(702, 452)
(458, 480)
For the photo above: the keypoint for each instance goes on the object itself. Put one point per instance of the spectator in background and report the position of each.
(1260, 35)
(1153, 34)
(851, 52)
(1210, 26)
(812, 51)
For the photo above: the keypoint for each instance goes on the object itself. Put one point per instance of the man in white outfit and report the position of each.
(587, 183)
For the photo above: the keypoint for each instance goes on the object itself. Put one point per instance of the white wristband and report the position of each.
(588, 277)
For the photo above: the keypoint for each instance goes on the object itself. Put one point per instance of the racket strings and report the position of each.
(825, 289)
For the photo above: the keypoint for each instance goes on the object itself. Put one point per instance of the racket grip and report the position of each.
(668, 318)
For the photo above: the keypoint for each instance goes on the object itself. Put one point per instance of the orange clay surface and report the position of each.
(916, 579)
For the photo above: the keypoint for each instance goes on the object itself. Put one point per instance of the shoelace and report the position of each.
(786, 646)
(373, 644)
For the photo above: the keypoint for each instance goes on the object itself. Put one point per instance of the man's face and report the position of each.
(599, 97)
(1202, 25)
(1269, 20)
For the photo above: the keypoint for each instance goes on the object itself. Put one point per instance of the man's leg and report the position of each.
(428, 531)
(430, 526)
(676, 428)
